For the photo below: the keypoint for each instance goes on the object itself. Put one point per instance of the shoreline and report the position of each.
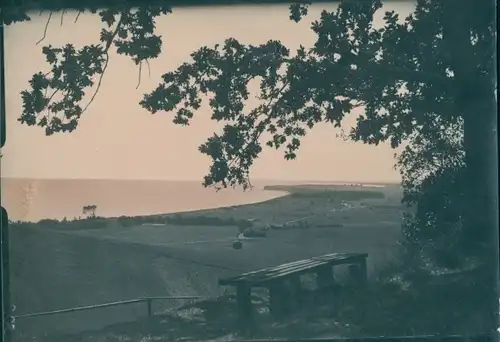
(270, 192)
(281, 191)
(278, 194)
(192, 211)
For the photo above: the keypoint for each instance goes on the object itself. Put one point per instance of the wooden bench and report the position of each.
(275, 279)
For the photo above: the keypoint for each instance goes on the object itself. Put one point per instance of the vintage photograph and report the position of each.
(251, 172)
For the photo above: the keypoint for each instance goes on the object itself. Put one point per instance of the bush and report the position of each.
(277, 226)
(243, 225)
(48, 223)
(157, 220)
(202, 220)
(126, 221)
(18, 224)
(345, 195)
(76, 224)
(329, 225)
(89, 223)
(249, 233)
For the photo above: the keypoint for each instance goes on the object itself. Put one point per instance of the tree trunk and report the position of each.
(481, 182)
(480, 238)
(475, 102)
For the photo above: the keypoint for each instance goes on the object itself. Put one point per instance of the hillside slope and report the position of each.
(61, 269)
(52, 271)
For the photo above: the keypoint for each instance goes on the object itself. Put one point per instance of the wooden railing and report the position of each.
(147, 300)
(493, 337)
(429, 338)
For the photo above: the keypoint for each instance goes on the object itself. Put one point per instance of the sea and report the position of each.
(36, 199)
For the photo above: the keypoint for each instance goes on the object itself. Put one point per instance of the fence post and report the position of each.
(150, 309)
(358, 273)
(5, 305)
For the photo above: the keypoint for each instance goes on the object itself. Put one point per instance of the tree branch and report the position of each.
(149, 68)
(106, 49)
(78, 16)
(98, 83)
(139, 77)
(405, 74)
(45, 30)
(49, 118)
(62, 16)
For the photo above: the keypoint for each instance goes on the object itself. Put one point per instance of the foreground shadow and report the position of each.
(426, 306)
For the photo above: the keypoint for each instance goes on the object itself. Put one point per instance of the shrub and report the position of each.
(76, 224)
(48, 223)
(254, 233)
(126, 221)
(303, 225)
(346, 195)
(88, 223)
(18, 224)
(202, 220)
(157, 219)
(243, 225)
(277, 226)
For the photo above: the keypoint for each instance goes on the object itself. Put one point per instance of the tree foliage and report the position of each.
(432, 166)
(351, 64)
(54, 100)
(427, 79)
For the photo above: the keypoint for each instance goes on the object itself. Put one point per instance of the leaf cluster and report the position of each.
(402, 74)
(55, 99)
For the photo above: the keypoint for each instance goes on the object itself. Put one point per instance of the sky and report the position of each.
(117, 139)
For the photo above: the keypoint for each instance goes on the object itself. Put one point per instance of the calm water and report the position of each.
(35, 199)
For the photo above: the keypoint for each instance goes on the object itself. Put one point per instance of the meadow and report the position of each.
(57, 265)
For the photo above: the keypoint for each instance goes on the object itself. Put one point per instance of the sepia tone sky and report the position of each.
(117, 139)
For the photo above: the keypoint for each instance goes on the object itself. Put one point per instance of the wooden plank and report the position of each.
(280, 268)
(301, 266)
(423, 338)
(310, 267)
(345, 258)
(363, 269)
(266, 278)
(296, 292)
(340, 257)
(81, 308)
(249, 275)
(99, 306)
(244, 303)
(335, 256)
(358, 273)
(279, 300)
(324, 276)
(246, 275)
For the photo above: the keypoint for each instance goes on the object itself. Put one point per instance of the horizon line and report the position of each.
(303, 181)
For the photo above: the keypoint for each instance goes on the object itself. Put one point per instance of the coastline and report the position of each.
(32, 200)
(267, 193)
(281, 191)
(280, 194)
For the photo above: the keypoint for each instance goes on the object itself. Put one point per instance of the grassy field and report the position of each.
(61, 265)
